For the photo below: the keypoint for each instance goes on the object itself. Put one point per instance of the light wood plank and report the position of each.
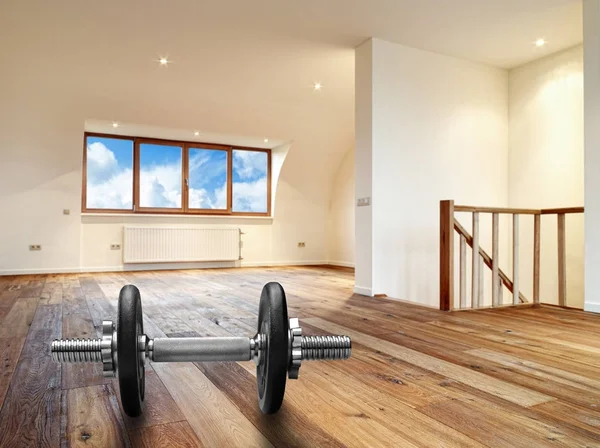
(215, 420)
(171, 435)
(19, 318)
(514, 394)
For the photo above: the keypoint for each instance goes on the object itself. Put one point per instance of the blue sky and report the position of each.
(208, 173)
(110, 176)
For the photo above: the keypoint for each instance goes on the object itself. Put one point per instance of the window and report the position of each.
(139, 175)
(160, 177)
(207, 178)
(109, 174)
(250, 181)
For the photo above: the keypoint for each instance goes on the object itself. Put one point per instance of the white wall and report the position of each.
(591, 39)
(341, 230)
(439, 131)
(546, 168)
(363, 167)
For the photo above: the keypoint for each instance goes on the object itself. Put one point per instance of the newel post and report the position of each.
(446, 255)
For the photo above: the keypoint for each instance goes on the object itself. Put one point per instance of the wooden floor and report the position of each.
(417, 378)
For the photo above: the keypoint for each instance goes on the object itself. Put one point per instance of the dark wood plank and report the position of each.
(31, 414)
(159, 407)
(94, 418)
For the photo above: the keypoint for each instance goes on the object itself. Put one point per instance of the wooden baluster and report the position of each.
(536, 258)
(463, 272)
(475, 299)
(495, 277)
(562, 265)
(515, 259)
(446, 255)
(481, 271)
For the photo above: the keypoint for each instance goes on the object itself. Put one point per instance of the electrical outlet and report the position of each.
(35, 247)
(66, 211)
(363, 202)
(301, 244)
(115, 247)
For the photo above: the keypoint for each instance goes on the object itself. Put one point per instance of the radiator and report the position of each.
(178, 244)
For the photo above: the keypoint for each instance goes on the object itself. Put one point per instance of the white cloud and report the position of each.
(116, 192)
(250, 196)
(249, 164)
(200, 198)
(101, 163)
(160, 186)
(108, 185)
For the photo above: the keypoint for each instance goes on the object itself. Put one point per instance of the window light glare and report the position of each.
(115, 124)
(540, 42)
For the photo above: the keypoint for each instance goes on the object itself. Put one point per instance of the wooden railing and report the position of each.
(449, 224)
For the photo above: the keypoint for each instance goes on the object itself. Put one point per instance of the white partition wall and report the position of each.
(591, 39)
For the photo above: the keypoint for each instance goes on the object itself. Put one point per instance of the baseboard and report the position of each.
(264, 264)
(592, 307)
(363, 291)
(343, 264)
(40, 271)
(158, 267)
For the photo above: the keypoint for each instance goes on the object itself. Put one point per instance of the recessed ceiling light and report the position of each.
(318, 86)
(266, 140)
(540, 42)
(196, 133)
(115, 124)
(163, 61)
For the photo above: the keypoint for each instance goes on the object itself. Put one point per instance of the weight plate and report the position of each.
(271, 372)
(130, 368)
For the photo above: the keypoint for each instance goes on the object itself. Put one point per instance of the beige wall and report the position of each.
(341, 224)
(64, 66)
(546, 166)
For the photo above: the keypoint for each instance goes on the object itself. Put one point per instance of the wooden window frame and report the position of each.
(184, 210)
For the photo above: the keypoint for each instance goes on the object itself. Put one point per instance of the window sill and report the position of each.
(150, 217)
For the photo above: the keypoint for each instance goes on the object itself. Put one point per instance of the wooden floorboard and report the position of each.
(418, 377)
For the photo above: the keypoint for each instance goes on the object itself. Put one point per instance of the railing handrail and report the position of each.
(518, 211)
(449, 224)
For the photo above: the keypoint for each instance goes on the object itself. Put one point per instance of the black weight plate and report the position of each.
(130, 367)
(271, 372)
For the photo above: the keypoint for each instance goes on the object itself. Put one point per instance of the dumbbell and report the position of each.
(277, 349)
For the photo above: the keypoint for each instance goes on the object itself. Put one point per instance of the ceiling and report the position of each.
(495, 32)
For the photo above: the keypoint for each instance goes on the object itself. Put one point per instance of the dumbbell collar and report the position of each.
(108, 348)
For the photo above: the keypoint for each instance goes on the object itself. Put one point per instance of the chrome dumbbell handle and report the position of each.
(201, 349)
